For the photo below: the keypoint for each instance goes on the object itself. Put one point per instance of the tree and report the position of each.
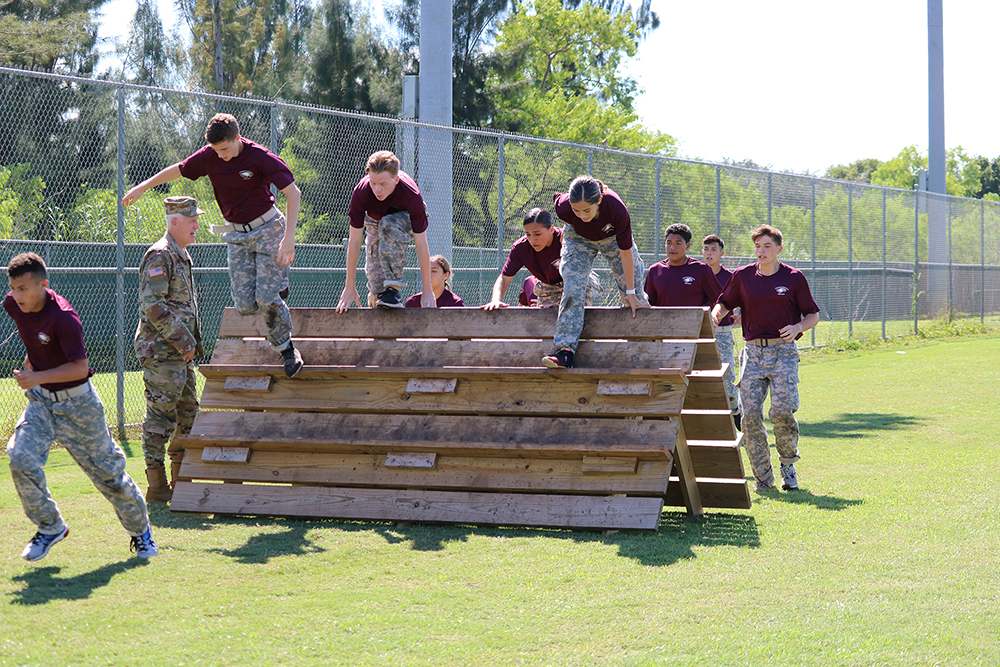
(964, 173)
(45, 34)
(859, 171)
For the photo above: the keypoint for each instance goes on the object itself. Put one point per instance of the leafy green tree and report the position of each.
(859, 171)
(45, 34)
(964, 173)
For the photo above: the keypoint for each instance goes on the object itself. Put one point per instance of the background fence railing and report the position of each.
(70, 147)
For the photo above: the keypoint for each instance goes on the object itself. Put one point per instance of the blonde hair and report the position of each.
(383, 162)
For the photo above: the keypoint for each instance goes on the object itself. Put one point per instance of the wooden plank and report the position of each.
(624, 388)
(314, 372)
(499, 393)
(431, 385)
(687, 479)
(707, 390)
(707, 356)
(527, 436)
(482, 353)
(468, 473)
(599, 323)
(715, 494)
(609, 464)
(518, 509)
(716, 459)
(230, 454)
(246, 383)
(709, 424)
(410, 459)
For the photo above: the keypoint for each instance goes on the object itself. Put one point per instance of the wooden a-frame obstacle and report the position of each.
(448, 416)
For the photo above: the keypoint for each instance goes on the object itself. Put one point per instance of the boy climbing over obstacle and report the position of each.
(62, 407)
(387, 207)
(261, 244)
(777, 308)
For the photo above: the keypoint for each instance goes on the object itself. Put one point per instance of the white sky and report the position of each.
(798, 84)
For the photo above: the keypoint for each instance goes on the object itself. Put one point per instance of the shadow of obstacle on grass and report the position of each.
(44, 585)
(261, 548)
(804, 496)
(853, 425)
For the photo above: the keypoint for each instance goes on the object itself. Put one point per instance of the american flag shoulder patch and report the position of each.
(158, 271)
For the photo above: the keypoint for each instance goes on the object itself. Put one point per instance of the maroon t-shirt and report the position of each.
(405, 197)
(544, 264)
(448, 299)
(691, 284)
(243, 185)
(612, 219)
(723, 277)
(768, 303)
(53, 336)
(527, 294)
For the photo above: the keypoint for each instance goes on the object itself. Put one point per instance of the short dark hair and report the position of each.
(766, 230)
(222, 127)
(712, 238)
(681, 230)
(27, 264)
(585, 188)
(539, 216)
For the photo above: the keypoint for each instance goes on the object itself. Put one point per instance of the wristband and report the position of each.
(630, 291)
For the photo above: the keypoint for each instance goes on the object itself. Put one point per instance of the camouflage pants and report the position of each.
(171, 406)
(257, 278)
(78, 424)
(386, 242)
(578, 255)
(777, 367)
(549, 296)
(724, 341)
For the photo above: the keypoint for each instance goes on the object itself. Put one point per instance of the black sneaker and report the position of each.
(738, 420)
(292, 360)
(389, 298)
(561, 359)
(284, 294)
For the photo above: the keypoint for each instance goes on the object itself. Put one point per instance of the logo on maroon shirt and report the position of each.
(688, 280)
(608, 228)
(246, 174)
(44, 337)
(782, 290)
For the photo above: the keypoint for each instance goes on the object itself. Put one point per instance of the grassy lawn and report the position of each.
(889, 556)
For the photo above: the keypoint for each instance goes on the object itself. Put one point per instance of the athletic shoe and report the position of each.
(737, 420)
(389, 299)
(561, 359)
(762, 487)
(38, 547)
(292, 360)
(284, 294)
(789, 478)
(143, 545)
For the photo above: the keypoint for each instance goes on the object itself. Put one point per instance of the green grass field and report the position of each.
(889, 556)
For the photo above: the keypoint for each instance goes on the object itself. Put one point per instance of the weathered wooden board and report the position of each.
(715, 493)
(517, 509)
(706, 390)
(469, 473)
(709, 425)
(599, 323)
(231, 454)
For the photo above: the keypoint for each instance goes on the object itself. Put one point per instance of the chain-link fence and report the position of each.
(70, 148)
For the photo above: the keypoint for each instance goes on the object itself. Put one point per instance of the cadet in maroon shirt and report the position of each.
(260, 243)
(539, 252)
(777, 307)
(440, 286)
(680, 280)
(62, 407)
(713, 250)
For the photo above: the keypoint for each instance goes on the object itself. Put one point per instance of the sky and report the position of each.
(798, 85)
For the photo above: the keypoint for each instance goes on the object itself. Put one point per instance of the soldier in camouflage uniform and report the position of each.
(777, 307)
(62, 407)
(167, 341)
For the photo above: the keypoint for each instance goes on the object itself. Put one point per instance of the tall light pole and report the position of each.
(938, 250)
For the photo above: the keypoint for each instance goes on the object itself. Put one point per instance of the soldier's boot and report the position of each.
(175, 472)
(158, 488)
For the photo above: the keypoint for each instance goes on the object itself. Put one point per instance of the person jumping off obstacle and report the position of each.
(261, 244)
(777, 307)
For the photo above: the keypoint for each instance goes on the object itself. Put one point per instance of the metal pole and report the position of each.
(850, 263)
(500, 177)
(769, 190)
(656, 214)
(982, 260)
(951, 303)
(590, 161)
(718, 200)
(120, 278)
(884, 267)
(812, 216)
(916, 261)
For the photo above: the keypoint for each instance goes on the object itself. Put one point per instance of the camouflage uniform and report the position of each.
(257, 278)
(777, 367)
(168, 328)
(724, 341)
(578, 255)
(79, 425)
(386, 242)
(549, 296)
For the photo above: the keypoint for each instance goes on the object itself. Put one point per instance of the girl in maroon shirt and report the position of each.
(440, 284)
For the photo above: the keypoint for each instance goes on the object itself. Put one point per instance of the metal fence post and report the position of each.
(951, 303)
(718, 200)
(500, 177)
(884, 266)
(916, 262)
(850, 262)
(982, 261)
(769, 191)
(812, 222)
(656, 214)
(590, 161)
(120, 277)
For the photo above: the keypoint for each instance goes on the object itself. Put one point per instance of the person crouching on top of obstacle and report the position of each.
(777, 307)
(387, 207)
(440, 286)
(597, 222)
(260, 244)
(63, 407)
(539, 251)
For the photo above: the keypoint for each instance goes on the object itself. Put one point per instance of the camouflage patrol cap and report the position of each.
(182, 206)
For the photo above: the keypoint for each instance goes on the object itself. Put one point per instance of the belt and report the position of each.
(65, 394)
(765, 342)
(247, 227)
(728, 327)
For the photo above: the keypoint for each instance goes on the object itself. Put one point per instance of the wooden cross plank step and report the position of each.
(502, 509)
(715, 493)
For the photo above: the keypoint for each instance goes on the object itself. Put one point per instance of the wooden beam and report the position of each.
(714, 493)
(709, 425)
(518, 509)
(231, 454)
(607, 464)
(261, 384)
(686, 475)
(410, 460)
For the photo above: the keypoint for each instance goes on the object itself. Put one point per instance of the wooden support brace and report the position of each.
(411, 460)
(227, 454)
(248, 383)
(431, 385)
(610, 464)
(624, 388)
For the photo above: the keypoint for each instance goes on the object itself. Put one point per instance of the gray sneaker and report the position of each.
(38, 547)
(790, 482)
(143, 545)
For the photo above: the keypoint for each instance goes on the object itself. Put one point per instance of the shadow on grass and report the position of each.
(858, 425)
(259, 549)
(805, 497)
(43, 586)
